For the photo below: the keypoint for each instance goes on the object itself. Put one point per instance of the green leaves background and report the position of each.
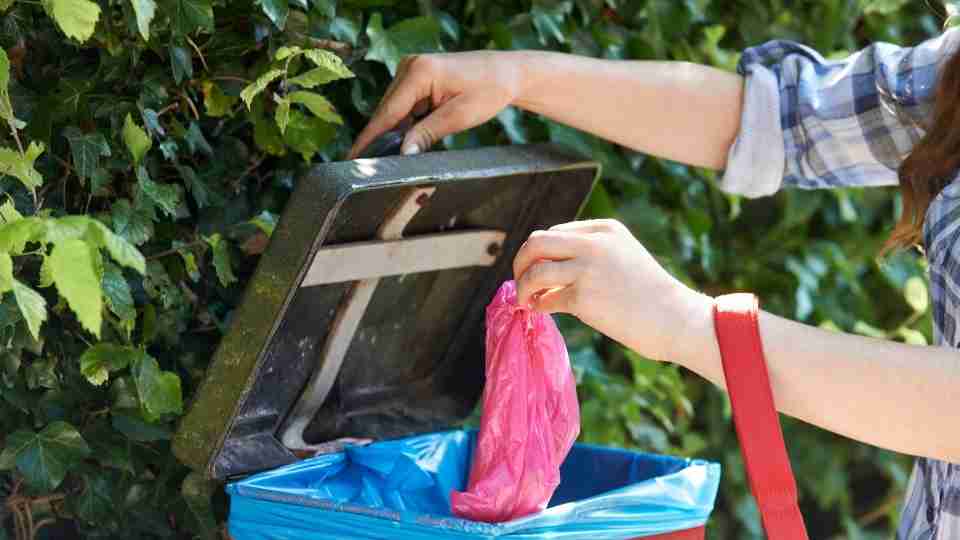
(148, 147)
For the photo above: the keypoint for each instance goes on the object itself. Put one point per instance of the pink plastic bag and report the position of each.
(530, 415)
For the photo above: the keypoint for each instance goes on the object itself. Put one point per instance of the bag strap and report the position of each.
(755, 418)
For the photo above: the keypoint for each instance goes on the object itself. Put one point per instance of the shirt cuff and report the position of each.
(756, 159)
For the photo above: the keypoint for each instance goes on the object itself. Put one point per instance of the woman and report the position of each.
(884, 115)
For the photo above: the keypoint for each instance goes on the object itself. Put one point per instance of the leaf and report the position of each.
(915, 293)
(44, 458)
(46, 273)
(121, 251)
(345, 29)
(883, 7)
(287, 52)
(166, 196)
(95, 502)
(196, 142)
(5, 5)
(133, 225)
(266, 221)
(86, 149)
(382, 48)
(548, 20)
(117, 293)
(136, 139)
(77, 18)
(221, 259)
(215, 101)
(32, 306)
(145, 10)
(181, 61)
(307, 135)
(159, 391)
(188, 16)
(8, 213)
(276, 11)
(136, 429)
(282, 114)
(256, 87)
(74, 266)
(267, 137)
(6, 273)
(316, 104)
(98, 361)
(21, 166)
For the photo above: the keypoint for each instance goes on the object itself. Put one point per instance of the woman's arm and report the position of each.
(681, 111)
(891, 395)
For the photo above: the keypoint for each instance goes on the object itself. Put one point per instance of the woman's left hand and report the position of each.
(597, 271)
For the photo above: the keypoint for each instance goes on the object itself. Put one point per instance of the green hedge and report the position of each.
(149, 146)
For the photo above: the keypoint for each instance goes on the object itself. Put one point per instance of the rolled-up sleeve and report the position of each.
(812, 123)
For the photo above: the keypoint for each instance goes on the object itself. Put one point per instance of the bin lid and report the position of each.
(365, 315)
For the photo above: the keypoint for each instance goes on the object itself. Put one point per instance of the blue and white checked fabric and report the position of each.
(851, 122)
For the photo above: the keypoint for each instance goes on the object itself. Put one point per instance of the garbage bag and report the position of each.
(530, 416)
(401, 489)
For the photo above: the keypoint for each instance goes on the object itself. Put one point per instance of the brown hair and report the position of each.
(933, 162)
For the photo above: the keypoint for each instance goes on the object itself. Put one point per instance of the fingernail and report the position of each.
(411, 149)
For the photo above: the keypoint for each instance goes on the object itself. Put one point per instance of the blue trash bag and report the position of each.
(401, 489)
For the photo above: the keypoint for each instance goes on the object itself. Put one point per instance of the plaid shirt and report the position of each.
(851, 123)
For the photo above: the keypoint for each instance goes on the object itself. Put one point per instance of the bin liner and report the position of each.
(401, 489)
(530, 415)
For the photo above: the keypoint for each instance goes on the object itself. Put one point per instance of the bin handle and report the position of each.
(755, 417)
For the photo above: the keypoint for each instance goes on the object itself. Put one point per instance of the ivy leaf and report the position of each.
(97, 362)
(316, 104)
(116, 291)
(86, 148)
(256, 87)
(32, 306)
(215, 101)
(145, 10)
(307, 135)
(136, 429)
(136, 139)
(6, 273)
(159, 391)
(276, 11)
(409, 36)
(548, 20)
(77, 18)
(282, 114)
(133, 225)
(74, 266)
(196, 141)
(181, 62)
(165, 196)
(21, 166)
(221, 259)
(95, 502)
(187, 16)
(44, 458)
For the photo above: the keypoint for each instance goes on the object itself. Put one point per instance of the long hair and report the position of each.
(933, 161)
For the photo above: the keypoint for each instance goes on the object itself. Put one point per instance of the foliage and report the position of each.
(149, 146)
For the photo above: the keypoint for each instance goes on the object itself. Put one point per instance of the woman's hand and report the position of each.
(598, 272)
(462, 90)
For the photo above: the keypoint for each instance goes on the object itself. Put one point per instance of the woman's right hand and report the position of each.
(457, 90)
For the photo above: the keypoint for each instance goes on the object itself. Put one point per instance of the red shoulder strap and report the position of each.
(755, 417)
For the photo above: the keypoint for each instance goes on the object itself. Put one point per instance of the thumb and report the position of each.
(453, 116)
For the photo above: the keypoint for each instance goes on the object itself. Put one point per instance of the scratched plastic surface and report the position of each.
(401, 489)
(530, 415)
